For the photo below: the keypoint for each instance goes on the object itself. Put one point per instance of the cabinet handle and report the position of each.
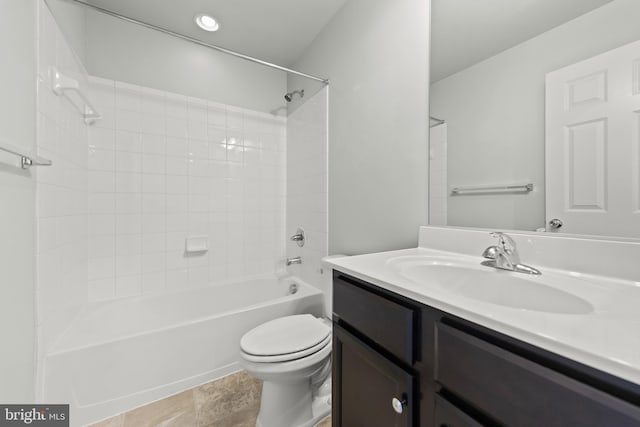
(398, 405)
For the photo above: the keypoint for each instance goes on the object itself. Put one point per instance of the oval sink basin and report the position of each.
(491, 285)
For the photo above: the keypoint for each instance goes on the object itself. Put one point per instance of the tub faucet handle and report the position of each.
(298, 237)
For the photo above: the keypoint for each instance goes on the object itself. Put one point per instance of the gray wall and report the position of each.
(17, 195)
(145, 57)
(375, 52)
(495, 115)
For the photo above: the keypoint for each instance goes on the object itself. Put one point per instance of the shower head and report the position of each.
(289, 96)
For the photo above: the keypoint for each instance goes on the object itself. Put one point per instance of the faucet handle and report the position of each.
(507, 245)
(504, 240)
(490, 253)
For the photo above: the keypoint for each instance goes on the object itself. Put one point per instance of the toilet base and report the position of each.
(301, 408)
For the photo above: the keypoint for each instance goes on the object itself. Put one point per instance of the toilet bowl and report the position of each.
(291, 355)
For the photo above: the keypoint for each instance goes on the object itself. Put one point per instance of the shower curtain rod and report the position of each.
(199, 42)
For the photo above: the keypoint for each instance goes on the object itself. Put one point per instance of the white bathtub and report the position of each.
(125, 353)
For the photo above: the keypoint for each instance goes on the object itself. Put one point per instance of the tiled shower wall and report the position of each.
(61, 194)
(307, 187)
(164, 167)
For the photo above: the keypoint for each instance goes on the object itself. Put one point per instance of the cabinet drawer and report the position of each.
(387, 322)
(517, 392)
(448, 415)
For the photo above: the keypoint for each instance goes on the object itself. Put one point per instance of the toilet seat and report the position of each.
(285, 339)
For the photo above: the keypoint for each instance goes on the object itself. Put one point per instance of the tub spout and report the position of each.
(296, 260)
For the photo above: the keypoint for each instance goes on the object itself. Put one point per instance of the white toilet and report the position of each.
(292, 356)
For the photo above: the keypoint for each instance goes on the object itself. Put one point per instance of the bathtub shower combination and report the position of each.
(121, 354)
(163, 221)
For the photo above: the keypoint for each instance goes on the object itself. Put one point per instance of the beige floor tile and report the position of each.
(225, 398)
(244, 418)
(174, 411)
(325, 423)
(116, 421)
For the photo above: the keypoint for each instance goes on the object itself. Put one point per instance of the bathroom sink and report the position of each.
(500, 287)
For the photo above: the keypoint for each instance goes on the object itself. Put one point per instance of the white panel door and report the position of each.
(593, 145)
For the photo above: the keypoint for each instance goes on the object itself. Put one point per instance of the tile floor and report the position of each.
(232, 401)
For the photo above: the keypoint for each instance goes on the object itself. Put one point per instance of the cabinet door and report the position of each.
(448, 415)
(366, 384)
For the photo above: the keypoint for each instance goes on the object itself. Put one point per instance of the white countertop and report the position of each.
(608, 338)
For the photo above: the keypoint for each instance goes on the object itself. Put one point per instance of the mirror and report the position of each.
(489, 62)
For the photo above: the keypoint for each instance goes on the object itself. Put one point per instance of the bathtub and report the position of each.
(121, 354)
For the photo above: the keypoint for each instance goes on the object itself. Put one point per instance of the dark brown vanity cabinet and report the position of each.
(374, 348)
(401, 363)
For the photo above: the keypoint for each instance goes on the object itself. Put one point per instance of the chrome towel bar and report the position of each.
(496, 189)
(26, 159)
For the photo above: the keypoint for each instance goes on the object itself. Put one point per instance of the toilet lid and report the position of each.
(291, 334)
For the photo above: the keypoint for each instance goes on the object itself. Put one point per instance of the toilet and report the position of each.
(292, 356)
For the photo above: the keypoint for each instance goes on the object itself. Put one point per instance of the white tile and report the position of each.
(198, 149)
(102, 289)
(199, 277)
(129, 121)
(153, 242)
(103, 160)
(216, 115)
(199, 185)
(100, 138)
(177, 184)
(153, 124)
(199, 167)
(128, 286)
(153, 283)
(128, 245)
(176, 106)
(153, 144)
(153, 223)
(128, 265)
(154, 203)
(176, 127)
(128, 182)
(177, 279)
(128, 141)
(177, 222)
(102, 246)
(101, 182)
(197, 129)
(234, 118)
(101, 224)
(128, 224)
(153, 163)
(128, 203)
(152, 101)
(177, 203)
(127, 96)
(153, 262)
(177, 146)
(101, 268)
(197, 109)
(101, 203)
(175, 260)
(176, 165)
(128, 162)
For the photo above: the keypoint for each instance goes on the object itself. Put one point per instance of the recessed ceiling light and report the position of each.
(207, 22)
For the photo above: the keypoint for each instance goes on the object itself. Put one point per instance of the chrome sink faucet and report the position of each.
(505, 255)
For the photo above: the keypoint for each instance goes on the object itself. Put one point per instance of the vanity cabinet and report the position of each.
(392, 353)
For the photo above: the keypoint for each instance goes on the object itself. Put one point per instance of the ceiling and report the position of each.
(277, 31)
(465, 32)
